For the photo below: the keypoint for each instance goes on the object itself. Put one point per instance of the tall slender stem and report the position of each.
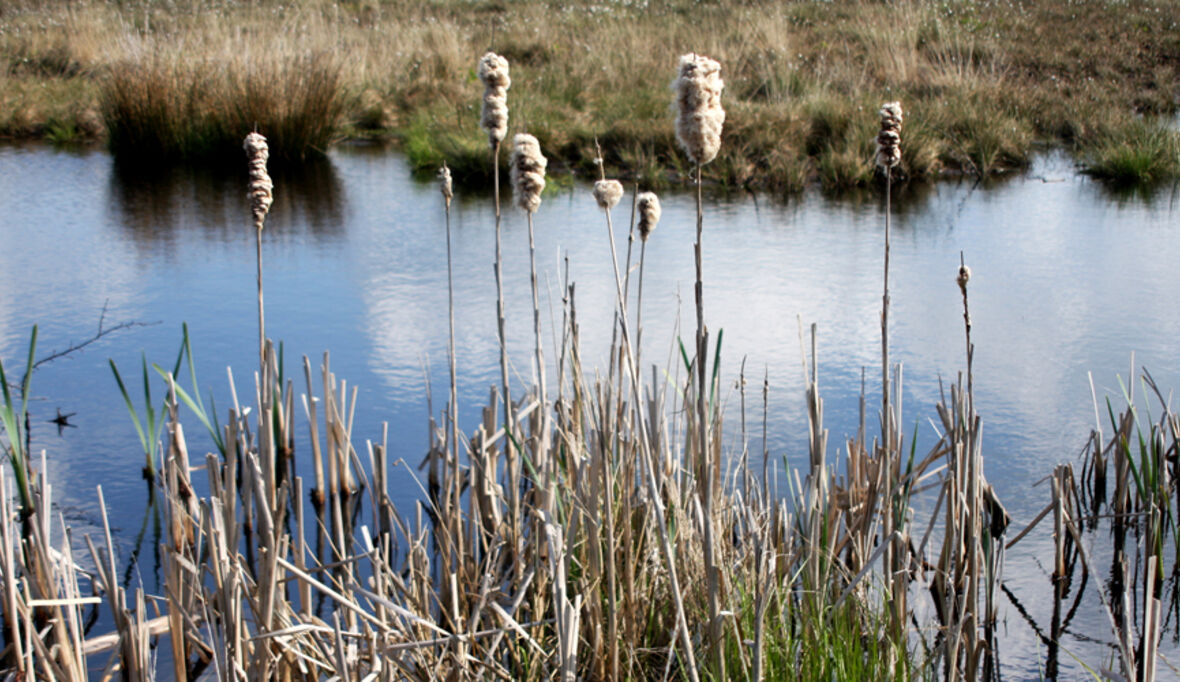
(639, 304)
(607, 460)
(542, 444)
(509, 450)
(261, 316)
(886, 419)
(456, 483)
(704, 450)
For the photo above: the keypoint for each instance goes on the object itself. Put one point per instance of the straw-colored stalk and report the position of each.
(493, 73)
(260, 195)
(648, 207)
(887, 157)
(699, 120)
(607, 194)
(455, 489)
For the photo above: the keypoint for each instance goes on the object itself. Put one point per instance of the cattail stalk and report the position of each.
(647, 205)
(528, 179)
(888, 156)
(698, 130)
(260, 195)
(607, 194)
(456, 491)
(493, 72)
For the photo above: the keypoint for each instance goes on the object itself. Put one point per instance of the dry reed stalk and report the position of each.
(260, 194)
(527, 171)
(607, 194)
(493, 72)
(647, 206)
(700, 118)
(887, 157)
(455, 540)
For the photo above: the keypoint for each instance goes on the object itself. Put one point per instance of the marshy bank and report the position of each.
(988, 82)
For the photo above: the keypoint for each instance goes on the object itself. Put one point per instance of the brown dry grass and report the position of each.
(988, 77)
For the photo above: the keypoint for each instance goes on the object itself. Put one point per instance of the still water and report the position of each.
(1068, 281)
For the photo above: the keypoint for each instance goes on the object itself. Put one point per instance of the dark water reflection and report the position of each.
(153, 203)
(1068, 280)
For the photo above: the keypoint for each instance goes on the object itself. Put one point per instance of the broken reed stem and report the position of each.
(962, 279)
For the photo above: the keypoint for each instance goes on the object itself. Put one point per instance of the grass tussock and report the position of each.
(992, 78)
(169, 107)
(1145, 153)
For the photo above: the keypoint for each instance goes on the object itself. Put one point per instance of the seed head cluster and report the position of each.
(889, 139)
(444, 184)
(260, 186)
(698, 101)
(493, 72)
(648, 206)
(528, 171)
(607, 193)
(963, 278)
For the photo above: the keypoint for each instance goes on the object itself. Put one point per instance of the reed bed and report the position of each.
(591, 528)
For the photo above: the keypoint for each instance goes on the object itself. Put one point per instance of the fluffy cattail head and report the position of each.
(889, 139)
(648, 206)
(444, 184)
(528, 171)
(260, 185)
(607, 193)
(699, 116)
(493, 72)
(963, 278)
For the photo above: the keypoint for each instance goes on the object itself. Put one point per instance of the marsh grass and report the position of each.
(989, 78)
(169, 107)
(1147, 152)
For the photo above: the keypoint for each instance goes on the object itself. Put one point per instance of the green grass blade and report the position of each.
(24, 384)
(130, 407)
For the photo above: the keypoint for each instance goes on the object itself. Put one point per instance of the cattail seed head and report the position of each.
(607, 193)
(444, 184)
(963, 278)
(260, 186)
(698, 101)
(889, 139)
(528, 171)
(648, 206)
(493, 72)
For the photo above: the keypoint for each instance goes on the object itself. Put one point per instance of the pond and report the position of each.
(1069, 281)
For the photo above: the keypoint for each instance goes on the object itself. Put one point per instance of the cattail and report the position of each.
(528, 171)
(607, 193)
(889, 139)
(260, 185)
(648, 205)
(698, 100)
(963, 278)
(444, 183)
(493, 72)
